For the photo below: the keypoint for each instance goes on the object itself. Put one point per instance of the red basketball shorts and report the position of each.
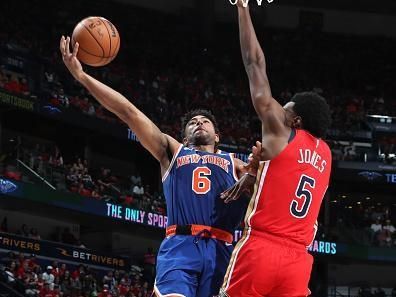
(266, 265)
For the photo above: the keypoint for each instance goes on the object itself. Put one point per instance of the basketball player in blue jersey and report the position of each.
(193, 257)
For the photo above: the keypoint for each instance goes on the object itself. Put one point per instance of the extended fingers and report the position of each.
(224, 194)
(233, 195)
(62, 44)
(67, 46)
(75, 49)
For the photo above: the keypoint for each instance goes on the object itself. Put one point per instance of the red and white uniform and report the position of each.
(271, 259)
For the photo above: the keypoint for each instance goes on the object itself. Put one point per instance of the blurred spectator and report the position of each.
(34, 234)
(32, 261)
(379, 292)
(350, 151)
(109, 280)
(135, 179)
(24, 231)
(138, 190)
(105, 292)
(56, 159)
(365, 291)
(48, 277)
(390, 233)
(45, 291)
(376, 228)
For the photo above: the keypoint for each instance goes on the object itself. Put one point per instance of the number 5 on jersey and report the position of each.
(200, 181)
(304, 197)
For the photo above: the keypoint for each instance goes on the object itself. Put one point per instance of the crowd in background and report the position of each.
(166, 70)
(34, 277)
(361, 222)
(204, 75)
(77, 176)
(165, 84)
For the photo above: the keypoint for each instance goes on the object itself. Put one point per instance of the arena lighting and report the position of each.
(368, 198)
(350, 206)
(358, 202)
(334, 201)
(379, 203)
(343, 196)
(381, 118)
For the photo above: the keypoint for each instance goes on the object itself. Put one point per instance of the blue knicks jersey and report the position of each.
(192, 187)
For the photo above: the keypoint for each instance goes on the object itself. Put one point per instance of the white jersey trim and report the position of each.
(247, 222)
(158, 293)
(171, 163)
(234, 173)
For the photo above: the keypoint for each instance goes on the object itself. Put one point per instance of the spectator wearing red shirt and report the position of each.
(21, 259)
(40, 282)
(56, 291)
(45, 291)
(83, 192)
(32, 262)
(62, 270)
(55, 269)
(21, 271)
(12, 85)
(123, 288)
(105, 292)
(76, 273)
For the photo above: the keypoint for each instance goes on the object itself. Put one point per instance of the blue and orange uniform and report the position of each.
(193, 258)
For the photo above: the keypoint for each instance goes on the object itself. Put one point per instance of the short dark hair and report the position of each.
(314, 112)
(193, 113)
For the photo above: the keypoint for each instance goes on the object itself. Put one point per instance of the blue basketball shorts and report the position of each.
(191, 266)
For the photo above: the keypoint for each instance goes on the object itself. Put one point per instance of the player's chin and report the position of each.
(201, 139)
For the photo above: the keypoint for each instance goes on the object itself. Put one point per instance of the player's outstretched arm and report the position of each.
(268, 109)
(150, 136)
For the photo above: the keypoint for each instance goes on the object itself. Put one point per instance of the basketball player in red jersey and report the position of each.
(271, 259)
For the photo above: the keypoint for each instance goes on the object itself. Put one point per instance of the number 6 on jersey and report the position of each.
(200, 181)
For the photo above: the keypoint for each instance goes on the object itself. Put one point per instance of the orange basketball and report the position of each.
(98, 40)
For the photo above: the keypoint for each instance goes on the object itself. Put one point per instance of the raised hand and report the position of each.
(245, 185)
(242, 3)
(70, 59)
(254, 159)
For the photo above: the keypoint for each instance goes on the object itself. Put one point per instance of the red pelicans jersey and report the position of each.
(290, 189)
